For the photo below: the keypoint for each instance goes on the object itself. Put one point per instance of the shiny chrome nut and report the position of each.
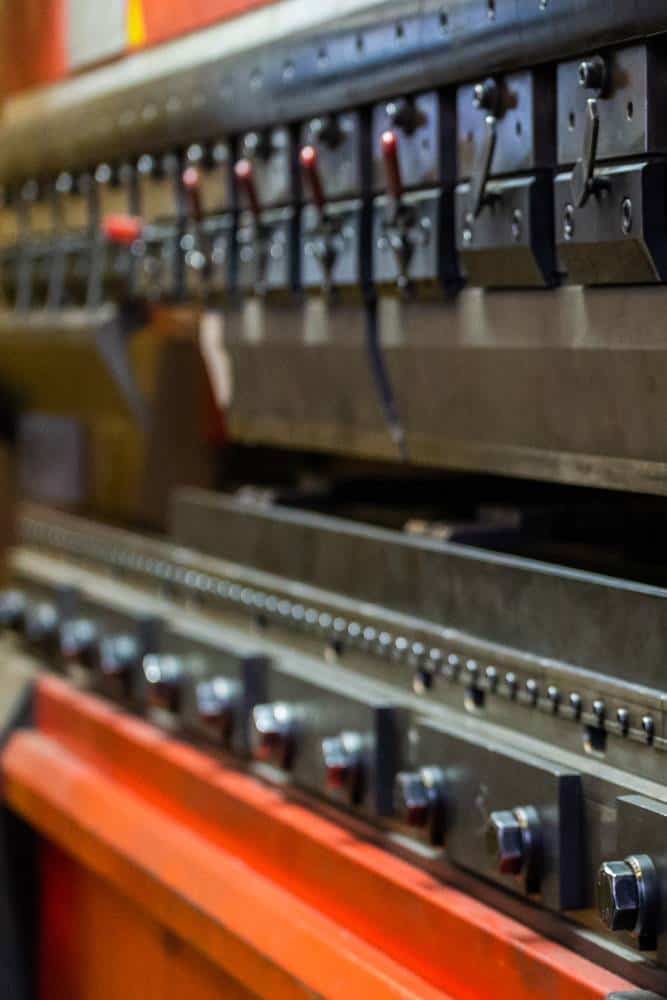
(272, 733)
(514, 841)
(218, 701)
(42, 626)
(120, 658)
(119, 654)
(419, 800)
(343, 765)
(13, 607)
(505, 842)
(79, 639)
(164, 675)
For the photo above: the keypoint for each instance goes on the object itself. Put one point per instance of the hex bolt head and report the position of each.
(164, 674)
(13, 607)
(419, 800)
(592, 73)
(272, 733)
(217, 701)
(486, 96)
(342, 756)
(79, 640)
(42, 624)
(617, 895)
(504, 841)
(119, 654)
(411, 799)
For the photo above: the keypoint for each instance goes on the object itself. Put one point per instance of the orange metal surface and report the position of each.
(163, 21)
(32, 43)
(284, 901)
(33, 49)
(97, 943)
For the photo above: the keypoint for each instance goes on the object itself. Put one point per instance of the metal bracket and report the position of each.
(583, 182)
(480, 175)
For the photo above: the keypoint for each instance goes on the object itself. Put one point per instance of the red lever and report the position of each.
(123, 229)
(192, 185)
(389, 142)
(311, 171)
(245, 178)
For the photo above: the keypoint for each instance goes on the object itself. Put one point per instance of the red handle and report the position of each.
(123, 229)
(192, 185)
(389, 143)
(245, 178)
(311, 171)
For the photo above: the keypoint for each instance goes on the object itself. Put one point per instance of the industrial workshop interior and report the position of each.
(333, 499)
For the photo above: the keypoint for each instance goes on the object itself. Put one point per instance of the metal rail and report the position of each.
(291, 60)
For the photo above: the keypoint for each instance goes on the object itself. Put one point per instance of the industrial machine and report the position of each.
(420, 630)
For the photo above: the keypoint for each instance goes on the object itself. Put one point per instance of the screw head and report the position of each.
(217, 700)
(617, 895)
(504, 842)
(411, 799)
(164, 674)
(119, 654)
(568, 221)
(272, 733)
(13, 607)
(42, 623)
(592, 73)
(343, 765)
(626, 216)
(78, 641)
(486, 95)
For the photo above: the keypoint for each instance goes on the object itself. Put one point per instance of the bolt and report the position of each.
(13, 607)
(553, 695)
(491, 678)
(217, 701)
(592, 73)
(517, 224)
(511, 683)
(532, 690)
(575, 704)
(418, 799)
(164, 675)
(568, 221)
(343, 764)
(273, 732)
(626, 215)
(617, 895)
(648, 726)
(505, 842)
(486, 96)
(623, 718)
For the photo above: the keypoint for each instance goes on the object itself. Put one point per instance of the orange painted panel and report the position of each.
(261, 885)
(97, 945)
(32, 43)
(170, 20)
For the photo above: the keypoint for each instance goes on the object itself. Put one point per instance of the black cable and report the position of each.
(381, 377)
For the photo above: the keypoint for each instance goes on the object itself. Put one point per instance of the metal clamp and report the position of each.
(245, 179)
(487, 97)
(583, 183)
(326, 235)
(400, 217)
